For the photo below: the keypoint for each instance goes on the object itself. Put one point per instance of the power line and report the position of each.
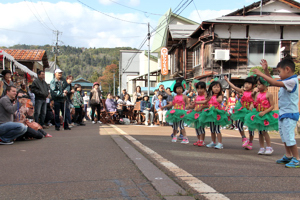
(48, 16)
(159, 26)
(162, 25)
(133, 56)
(135, 8)
(197, 11)
(44, 25)
(42, 34)
(25, 32)
(109, 15)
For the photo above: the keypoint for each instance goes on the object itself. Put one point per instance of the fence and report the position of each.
(274, 91)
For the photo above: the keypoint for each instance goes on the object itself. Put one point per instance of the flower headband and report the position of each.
(261, 79)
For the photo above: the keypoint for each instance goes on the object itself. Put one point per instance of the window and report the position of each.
(268, 50)
(197, 56)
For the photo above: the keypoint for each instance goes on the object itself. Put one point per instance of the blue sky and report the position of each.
(32, 22)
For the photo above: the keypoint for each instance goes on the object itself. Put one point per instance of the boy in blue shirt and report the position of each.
(288, 108)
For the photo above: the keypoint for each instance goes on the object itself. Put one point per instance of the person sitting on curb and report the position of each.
(9, 130)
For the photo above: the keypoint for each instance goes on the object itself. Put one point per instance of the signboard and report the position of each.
(164, 61)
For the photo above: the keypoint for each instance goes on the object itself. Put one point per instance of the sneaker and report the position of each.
(269, 151)
(245, 142)
(185, 141)
(261, 151)
(211, 145)
(294, 163)
(70, 126)
(146, 123)
(196, 143)
(151, 125)
(180, 137)
(249, 146)
(99, 122)
(174, 139)
(284, 160)
(94, 122)
(5, 143)
(219, 146)
(236, 129)
(48, 135)
(201, 144)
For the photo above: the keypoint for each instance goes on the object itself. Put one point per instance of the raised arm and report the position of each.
(239, 90)
(264, 65)
(272, 81)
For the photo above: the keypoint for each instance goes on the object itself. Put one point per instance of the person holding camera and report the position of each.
(9, 130)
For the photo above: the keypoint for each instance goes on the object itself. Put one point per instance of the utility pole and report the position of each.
(55, 50)
(148, 59)
(114, 84)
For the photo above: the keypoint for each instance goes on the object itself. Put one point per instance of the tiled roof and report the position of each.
(28, 55)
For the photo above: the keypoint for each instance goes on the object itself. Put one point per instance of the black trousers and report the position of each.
(78, 115)
(94, 107)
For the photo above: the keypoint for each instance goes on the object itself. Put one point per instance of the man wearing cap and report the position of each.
(40, 89)
(59, 89)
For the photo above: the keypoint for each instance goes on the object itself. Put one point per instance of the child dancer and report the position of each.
(215, 116)
(242, 108)
(193, 115)
(178, 113)
(263, 118)
(230, 105)
(288, 108)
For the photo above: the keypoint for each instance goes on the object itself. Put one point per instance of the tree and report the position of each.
(107, 80)
(94, 77)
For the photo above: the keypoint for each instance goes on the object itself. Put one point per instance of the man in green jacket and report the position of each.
(59, 89)
(41, 90)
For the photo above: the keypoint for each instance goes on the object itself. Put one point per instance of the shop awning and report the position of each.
(23, 68)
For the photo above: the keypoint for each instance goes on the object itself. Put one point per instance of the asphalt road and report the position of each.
(88, 163)
(76, 164)
(232, 171)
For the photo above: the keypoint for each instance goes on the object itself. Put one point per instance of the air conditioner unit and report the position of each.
(222, 54)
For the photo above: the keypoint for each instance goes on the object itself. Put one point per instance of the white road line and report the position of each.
(254, 139)
(203, 189)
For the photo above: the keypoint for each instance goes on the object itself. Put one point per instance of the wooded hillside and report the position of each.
(81, 62)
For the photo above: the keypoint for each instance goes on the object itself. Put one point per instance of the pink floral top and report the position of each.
(199, 98)
(247, 99)
(178, 102)
(213, 102)
(262, 102)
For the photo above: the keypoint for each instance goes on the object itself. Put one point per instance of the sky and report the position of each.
(97, 23)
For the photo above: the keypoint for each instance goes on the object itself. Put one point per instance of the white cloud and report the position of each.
(208, 14)
(79, 25)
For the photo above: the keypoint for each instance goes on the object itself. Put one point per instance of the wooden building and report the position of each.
(266, 29)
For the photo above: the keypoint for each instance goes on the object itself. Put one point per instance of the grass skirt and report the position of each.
(175, 115)
(268, 122)
(219, 117)
(239, 112)
(193, 119)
